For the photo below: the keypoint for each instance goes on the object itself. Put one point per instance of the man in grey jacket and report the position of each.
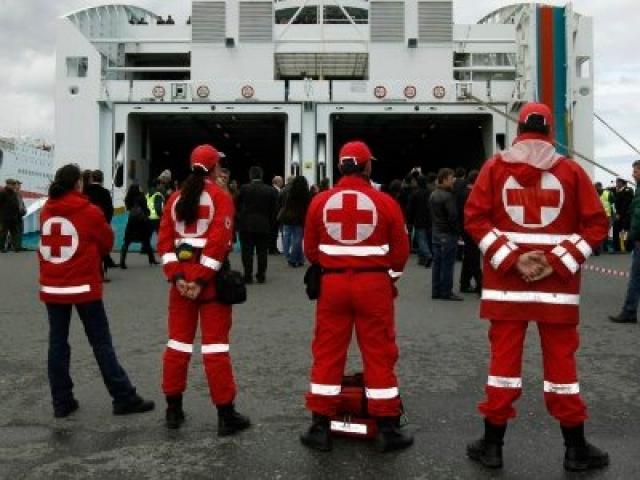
(442, 204)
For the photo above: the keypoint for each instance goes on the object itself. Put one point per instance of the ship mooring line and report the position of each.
(616, 133)
(571, 151)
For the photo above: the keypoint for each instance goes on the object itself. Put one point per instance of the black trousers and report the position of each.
(258, 242)
(96, 326)
(273, 239)
(471, 264)
(10, 231)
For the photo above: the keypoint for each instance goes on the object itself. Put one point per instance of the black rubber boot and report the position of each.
(390, 436)
(318, 436)
(136, 405)
(230, 421)
(175, 415)
(580, 455)
(487, 451)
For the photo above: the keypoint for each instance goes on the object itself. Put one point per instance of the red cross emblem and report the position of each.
(350, 217)
(200, 226)
(535, 206)
(59, 240)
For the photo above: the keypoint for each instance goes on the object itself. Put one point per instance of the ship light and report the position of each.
(248, 91)
(439, 92)
(159, 91)
(380, 92)
(410, 91)
(203, 91)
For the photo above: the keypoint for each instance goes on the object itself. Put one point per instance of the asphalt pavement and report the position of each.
(442, 370)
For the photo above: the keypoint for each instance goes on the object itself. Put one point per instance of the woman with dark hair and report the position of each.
(194, 241)
(292, 218)
(139, 229)
(74, 238)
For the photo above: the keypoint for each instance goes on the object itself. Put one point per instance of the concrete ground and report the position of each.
(442, 368)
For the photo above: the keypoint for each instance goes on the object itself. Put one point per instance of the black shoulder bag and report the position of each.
(312, 280)
(230, 286)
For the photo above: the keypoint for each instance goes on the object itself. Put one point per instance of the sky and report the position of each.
(27, 63)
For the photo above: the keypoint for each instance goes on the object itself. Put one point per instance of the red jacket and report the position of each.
(74, 238)
(529, 198)
(211, 235)
(355, 226)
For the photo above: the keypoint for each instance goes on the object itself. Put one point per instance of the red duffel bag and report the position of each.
(353, 419)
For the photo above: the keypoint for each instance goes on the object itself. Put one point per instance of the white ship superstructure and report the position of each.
(30, 162)
(282, 84)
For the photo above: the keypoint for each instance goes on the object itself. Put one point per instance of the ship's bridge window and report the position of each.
(335, 14)
(307, 15)
(358, 15)
(77, 67)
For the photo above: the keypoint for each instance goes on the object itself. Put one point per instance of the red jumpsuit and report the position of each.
(357, 235)
(211, 237)
(529, 198)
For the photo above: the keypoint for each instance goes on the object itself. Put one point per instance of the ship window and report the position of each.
(462, 76)
(494, 59)
(308, 16)
(77, 67)
(358, 15)
(493, 76)
(583, 67)
(461, 59)
(333, 14)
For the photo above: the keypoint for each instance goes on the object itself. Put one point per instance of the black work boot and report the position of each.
(390, 436)
(136, 405)
(230, 421)
(487, 451)
(66, 409)
(580, 455)
(624, 317)
(175, 415)
(318, 436)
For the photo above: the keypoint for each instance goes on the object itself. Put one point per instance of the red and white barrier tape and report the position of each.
(610, 272)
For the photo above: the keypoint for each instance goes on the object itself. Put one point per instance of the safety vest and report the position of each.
(151, 200)
(605, 198)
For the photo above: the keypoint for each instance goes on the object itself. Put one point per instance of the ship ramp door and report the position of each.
(402, 142)
(160, 140)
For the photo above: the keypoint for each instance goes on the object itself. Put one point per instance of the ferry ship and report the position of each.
(282, 84)
(30, 162)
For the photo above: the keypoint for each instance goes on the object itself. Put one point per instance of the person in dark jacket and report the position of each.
(138, 228)
(292, 217)
(444, 216)
(10, 217)
(622, 222)
(101, 198)
(256, 206)
(471, 260)
(629, 313)
(419, 216)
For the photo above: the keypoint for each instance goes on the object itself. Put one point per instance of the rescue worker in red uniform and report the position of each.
(194, 241)
(536, 218)
(358, 237)
(75, 237)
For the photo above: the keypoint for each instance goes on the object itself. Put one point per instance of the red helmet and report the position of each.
(356, 151)
(205, 157)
